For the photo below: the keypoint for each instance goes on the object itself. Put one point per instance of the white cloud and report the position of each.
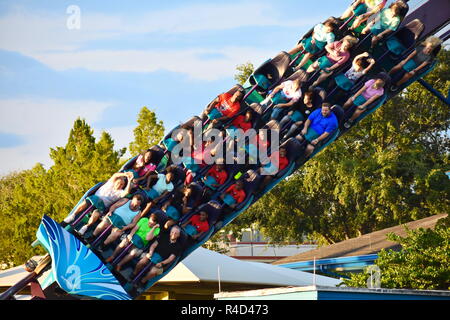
(185, 61)
(223, 16)
(43, 124)
(44, 36)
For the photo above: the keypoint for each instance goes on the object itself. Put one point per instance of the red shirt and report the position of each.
(220, 177)
(238, 195)
(201, 226)
(239, 122)
(226, 107)
(282, 161)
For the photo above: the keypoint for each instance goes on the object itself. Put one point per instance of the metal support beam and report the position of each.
(433, 14)
(434, 92)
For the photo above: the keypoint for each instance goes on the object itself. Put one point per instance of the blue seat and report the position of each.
(270, 72)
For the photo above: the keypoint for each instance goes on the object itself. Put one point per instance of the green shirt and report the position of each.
(144, 229)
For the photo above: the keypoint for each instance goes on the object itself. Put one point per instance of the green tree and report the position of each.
(422, 263)
(28, 195)
(148, 133)
(78, 166)
(244, 71)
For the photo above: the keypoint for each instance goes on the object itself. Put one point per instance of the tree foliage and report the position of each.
(422, 263)
(148, 133)
(244, 71)
(28, 195)
(389, 169)
(82, 163)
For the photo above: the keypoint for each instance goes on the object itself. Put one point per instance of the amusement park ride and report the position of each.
(76, 268)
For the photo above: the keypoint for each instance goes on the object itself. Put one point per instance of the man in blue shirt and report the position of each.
(320, 124)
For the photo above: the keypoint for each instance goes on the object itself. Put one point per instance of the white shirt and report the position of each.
(108, 194)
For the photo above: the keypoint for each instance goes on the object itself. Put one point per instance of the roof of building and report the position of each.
(334, 293)
(205, 266)
(370, 243)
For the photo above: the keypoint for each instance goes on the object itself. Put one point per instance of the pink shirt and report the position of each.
(146, 168)
(371, 91)
(337, 56)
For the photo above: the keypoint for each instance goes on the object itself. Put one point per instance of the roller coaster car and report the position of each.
(157, 155)
(363, 44)
(294, 148)
(404, 39)
(77, 270)
(298, 56)
(270, 72)
(232, 91)
(251, 181)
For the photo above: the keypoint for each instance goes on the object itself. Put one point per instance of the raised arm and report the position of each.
(359, 56)
(370, 66)
(127, 189)
(151, 235)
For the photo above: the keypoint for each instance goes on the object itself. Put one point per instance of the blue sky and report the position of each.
(171, 56)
